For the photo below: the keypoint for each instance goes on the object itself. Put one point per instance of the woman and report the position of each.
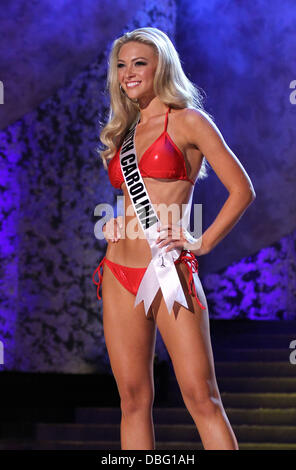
(171, 138)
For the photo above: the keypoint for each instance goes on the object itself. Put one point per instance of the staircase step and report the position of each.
(259, 400)
(224, 328)
(257, 384)
(242, 446)
(86, 432)
(77, 445)
(98, 415)
(18, 444)
(115, 445)
(262, 416)
(251, 340)
(182, 416)
(77, 431)
(255, 369)
(178, 432)
(246, 384)
(249, 354)
(258, 433)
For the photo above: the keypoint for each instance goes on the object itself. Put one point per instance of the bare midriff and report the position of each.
(135, 251)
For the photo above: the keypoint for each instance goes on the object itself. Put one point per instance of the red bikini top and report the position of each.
(163, 159)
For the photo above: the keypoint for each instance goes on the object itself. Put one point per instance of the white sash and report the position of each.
(161, 271)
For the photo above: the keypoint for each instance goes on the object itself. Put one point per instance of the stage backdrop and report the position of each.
(52, 178)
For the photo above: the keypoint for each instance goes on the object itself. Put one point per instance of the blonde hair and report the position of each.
(170, 84)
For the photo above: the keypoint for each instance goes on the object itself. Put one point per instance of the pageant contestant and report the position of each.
(157, 139)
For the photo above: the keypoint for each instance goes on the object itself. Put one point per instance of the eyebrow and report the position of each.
(121, 60)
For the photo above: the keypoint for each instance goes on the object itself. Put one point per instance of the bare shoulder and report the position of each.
(193, 118)
(191, 121)
(191, 115)
(202, 132)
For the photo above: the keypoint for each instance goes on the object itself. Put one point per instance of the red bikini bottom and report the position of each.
(131, 278)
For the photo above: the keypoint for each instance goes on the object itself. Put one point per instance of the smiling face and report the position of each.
(137, 62)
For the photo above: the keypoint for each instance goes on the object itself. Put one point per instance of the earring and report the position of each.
(121, 89)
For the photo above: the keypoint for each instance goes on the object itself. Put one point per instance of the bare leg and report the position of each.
(130, 340)
(186, 334)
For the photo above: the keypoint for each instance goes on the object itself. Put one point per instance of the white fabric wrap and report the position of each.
(161, 271)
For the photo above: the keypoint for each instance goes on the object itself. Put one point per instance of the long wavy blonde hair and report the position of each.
(170, 84)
